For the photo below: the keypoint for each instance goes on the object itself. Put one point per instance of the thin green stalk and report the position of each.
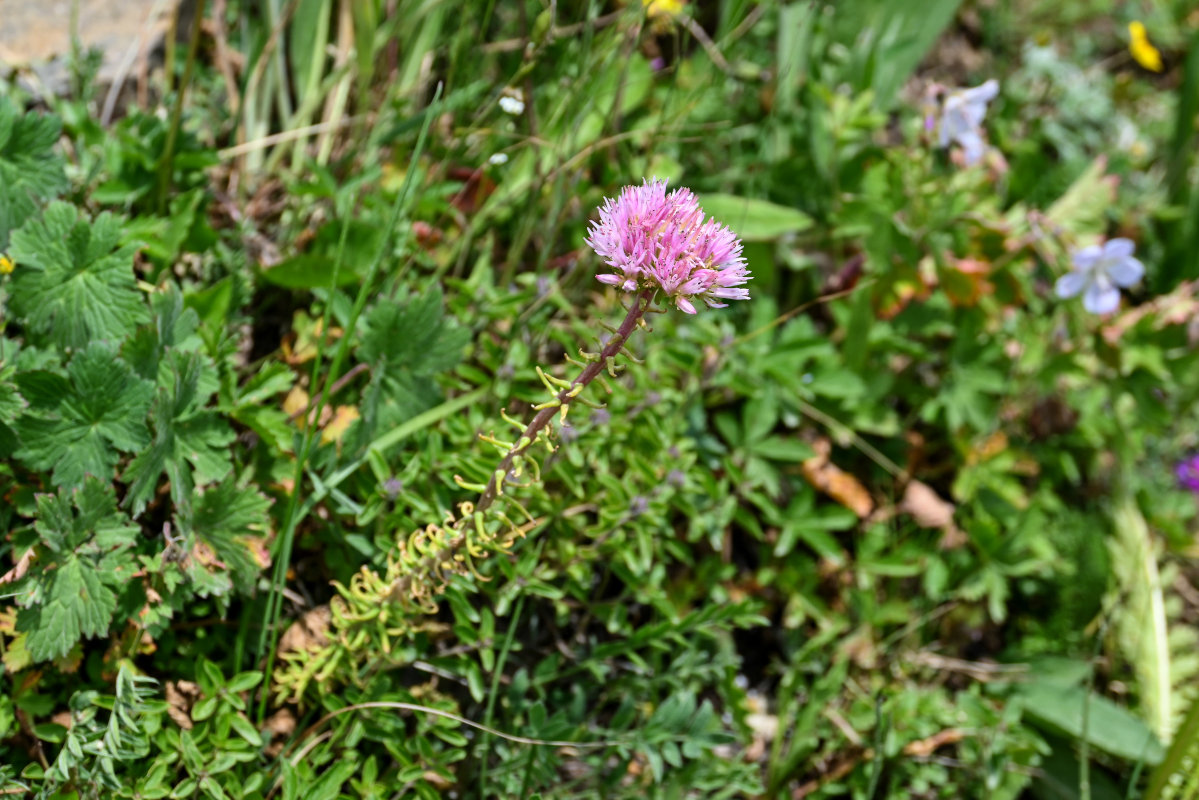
(488, 715)
(269, 638)
(1183, 260)
(167, 165)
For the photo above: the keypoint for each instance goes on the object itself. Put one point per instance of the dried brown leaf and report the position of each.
(310, 631)
(925, 506)
(838, 484)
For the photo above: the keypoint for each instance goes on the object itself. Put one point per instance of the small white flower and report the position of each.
(962, 117)
(498, 158)
(1098, 271)
(512, 105)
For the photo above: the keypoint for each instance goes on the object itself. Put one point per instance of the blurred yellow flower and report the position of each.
(1142, 50)
(6, 265)
(663, 8)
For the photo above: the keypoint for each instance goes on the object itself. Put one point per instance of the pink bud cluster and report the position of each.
(658, 240)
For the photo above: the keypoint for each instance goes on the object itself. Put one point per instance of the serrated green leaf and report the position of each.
(75, 284)
(30, 171)
(11, 402)
(229, 520)
(76, 595)
(66, 521)
(11, 406)
(42, 388)
(190, 441)
(101, 413)
(406, 344)
(76, 604)
(412, 336)
(173, 326)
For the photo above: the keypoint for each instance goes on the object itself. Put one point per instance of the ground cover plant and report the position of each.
(597, 400)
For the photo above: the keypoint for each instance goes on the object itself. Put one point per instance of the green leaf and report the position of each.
(328, 786)
(190, 441)
(1109, 727)
(77, 604)
(244, 681)
(314, 269)
(42, 388)
(754, 220)
(406, 344)
(213, 303)
(65, 523)
(174, 326)
(77, 595)
(309, 271)
(11, 402)
(73, 283)
(11, 406)
(164, 237)
(102, 412)
(30, 171)
(230, 520)
(246, 730)
(896, 39)
(840, 384)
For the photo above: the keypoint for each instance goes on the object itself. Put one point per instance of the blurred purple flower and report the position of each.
(962, 115)
(659, 240)
(638, 505)
(568, 434)
(1098, 271)
(1188, 473)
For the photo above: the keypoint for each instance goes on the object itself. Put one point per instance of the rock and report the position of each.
(36, 35)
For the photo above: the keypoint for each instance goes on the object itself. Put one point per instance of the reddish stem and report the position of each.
(403, 586)
(640, 303)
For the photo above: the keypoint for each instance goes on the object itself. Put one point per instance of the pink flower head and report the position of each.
(658, 240)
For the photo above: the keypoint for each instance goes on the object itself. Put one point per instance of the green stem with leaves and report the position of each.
(494, 488)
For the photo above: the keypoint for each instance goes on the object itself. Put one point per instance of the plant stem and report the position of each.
(641, 303)
(590, 372)
(167, 166)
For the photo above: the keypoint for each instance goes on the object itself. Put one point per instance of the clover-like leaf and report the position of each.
(75, 283)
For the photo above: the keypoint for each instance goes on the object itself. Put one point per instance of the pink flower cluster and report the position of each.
(659, 240)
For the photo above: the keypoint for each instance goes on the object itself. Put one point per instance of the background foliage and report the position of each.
(904, 525)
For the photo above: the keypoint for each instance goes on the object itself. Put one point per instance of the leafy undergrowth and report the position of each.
(916, 520)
